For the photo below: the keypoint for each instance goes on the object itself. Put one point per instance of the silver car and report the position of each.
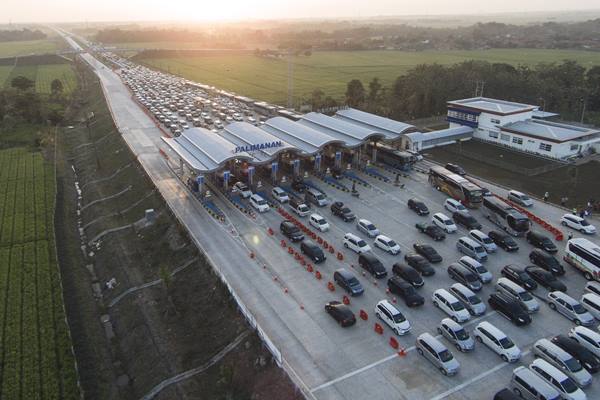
(456, 334)
(570, 308)
(470, 300)
(434, 351)
(367, 227)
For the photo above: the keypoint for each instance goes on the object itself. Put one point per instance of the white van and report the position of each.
(592, 287)
(356, 244)
(259, 203)
(497, 341)
(591, 302)
(561, 382)
(434, 351)
(318, 222)
(449, 304)
(280, 195)
(475, 267)
(454, 205)
(520, 198)
(516, 292)
(586, 337)
(471, 248)
(388, 313)
(444, 222)
(562, 360)
(529, 386)
(484, 240)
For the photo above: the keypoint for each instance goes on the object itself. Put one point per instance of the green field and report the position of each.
(27, 47)
(266, 78)
(36, 358)
(43, 75)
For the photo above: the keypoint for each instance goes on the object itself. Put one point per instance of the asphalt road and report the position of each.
(329, 362)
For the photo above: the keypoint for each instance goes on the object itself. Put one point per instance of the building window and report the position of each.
(505, 137)
(495, 121)
(462, 116)
(517, 140)
(545, 147)
(493, 134)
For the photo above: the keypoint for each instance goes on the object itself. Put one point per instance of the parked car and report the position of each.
(468, 221)
(578, 223)
(591, 302)
(313, 251)
(558, 380)
(259, 203)
(519, 198)
(566, 363)
(457, 169)
(545, 279)
(318, 222)
(519, 276)
(570, 308)
(526, 384)
(503, 240)
(408, 274)
(372, 264)
(348, 282)
(477, 268)
(586, 337)
(242, 189)
(367, 227)
(356, 244)
(291, 231)
(456, 334)
(470, 300)
(280, 195)
(299, 207)
(392, 317)
(546, 261)
(387, 244)
(454, 205)
(461, 274)
(471, 248)
(586, 358)
(339, 210)
(484, 240)
(436, 353)
(418, 206)
(315, 197)
(406, 291)
(541, 241)
(341, 313)
(509, 308)
(592, 287)
(518, 293)
(419, 263)
(433, 231)
(449, 304)
(428, 252)
(443, 222)
(497, 341)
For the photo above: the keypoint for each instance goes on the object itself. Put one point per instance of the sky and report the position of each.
(197, 10)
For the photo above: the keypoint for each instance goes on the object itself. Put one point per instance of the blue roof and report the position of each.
(390, 128)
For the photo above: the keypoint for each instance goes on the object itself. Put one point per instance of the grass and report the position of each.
(266, 78)
(27, 47)
(42, 75)
(36, 358)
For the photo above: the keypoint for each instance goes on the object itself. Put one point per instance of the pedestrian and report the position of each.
(546, 196)
(582, 213)
(563, 201)
(574, 211)
(570, 236)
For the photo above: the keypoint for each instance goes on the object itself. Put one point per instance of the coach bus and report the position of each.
(506, 217)
(398, 159)
(585, 256)
(456, 186)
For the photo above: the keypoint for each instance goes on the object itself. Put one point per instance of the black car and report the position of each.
(503, 240)
(463, 275)
(340, 210)
(341, 313)
(541, 241)
(409, 274)
(371, 263)
(418, 206)
(291, 231)
(546, 261)
(433, 231)
(348, 282)
(312, 250)
(419, 263)
(509, 308)
(299, 186)
(457, 169)
(545, 279)
(519, 276)
(506, 394)
(466, 220)
(579, 352)
(405, 290)
(428, 252)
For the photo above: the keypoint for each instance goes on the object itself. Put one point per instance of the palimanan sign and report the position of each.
(257, 147)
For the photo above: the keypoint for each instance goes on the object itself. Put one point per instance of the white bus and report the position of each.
(585, 256)
(506, 217)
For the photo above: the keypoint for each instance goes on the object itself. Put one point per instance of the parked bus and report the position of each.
(506, 217)
(398, 159)
(585, 256)
(456, 186)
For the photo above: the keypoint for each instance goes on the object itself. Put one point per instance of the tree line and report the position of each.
(566, 88)
(22, 34)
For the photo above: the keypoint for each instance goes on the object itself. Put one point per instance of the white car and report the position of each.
(449, 304)
(318, 222)
(243, 189)
(484, 240)
(557, 379)
(444, 222)
(586, 337)
(367, 227)
(388, 313)
(497, 341)
(577, 223)
(453, 206)
(570, 308)
(280, 195)
(356, 244)
(259, 203)
(387, 244)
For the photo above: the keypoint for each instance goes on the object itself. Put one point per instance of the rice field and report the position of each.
(42, 75)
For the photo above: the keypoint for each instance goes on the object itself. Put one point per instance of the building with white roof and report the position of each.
(522, 127)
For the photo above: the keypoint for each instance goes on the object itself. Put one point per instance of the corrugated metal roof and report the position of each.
(352, 134)
(458, 132)
(245, 134)
(390, 128)
(308, 140)
(552, 131)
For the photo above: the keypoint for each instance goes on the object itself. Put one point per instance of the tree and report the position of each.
(56, 117)
(355, 93)
(22, 83)
(56, 87)
(374, 96)
(316, 99)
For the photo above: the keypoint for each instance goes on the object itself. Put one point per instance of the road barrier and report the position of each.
(346, 300)
(340, 256)
(363, 315)
(394, 343)
(394, 300)
(317, 273)
(270, 231)
(290, 250)
(283, 244)
(378, 328)
(330, 286)
(331, 249)
(402, 352)
(310, 268)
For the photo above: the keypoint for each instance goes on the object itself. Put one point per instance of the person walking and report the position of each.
(570, 236)
(546, 197)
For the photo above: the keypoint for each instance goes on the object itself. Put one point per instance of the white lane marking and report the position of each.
(474, 379)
